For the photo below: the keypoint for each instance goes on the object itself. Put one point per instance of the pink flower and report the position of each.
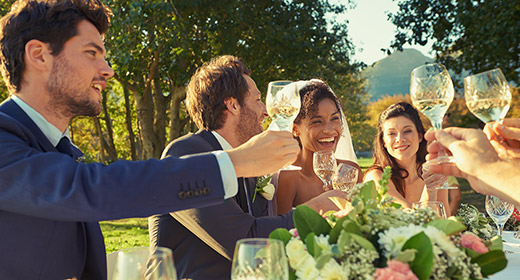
(473, 242)
(395, 270)
(516, 215)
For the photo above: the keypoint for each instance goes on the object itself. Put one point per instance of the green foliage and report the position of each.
(422, 264)
(449, 227)
(306, 220)
(491, 262)
(466, 34)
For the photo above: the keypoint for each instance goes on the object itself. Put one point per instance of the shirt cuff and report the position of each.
(227, 171)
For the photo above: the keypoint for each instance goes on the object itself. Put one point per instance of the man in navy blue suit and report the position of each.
(53, 62)
(226, 105)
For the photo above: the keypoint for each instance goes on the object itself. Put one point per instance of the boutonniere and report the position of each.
(264, 187)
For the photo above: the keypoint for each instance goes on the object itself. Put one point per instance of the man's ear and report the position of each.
(38, 55)
(232, 106)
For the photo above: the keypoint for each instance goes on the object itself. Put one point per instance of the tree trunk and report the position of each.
(176, 122)
(102, 141)
(128, 120)
(110, 146)
(161, 103)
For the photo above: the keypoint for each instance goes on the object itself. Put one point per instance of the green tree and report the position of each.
(466, 34)
(155, 46)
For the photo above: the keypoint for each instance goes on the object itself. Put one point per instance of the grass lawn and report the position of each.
(126, 233)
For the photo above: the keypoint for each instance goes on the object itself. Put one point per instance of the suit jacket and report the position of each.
(203, 239)
(50, 204)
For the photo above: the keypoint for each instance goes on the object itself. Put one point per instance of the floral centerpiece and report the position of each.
(373, 238)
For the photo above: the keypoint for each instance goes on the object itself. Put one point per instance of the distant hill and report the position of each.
(391, 75)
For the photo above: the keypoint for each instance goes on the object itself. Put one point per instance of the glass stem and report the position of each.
(500, 227)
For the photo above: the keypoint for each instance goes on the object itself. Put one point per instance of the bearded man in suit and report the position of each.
(224, 102)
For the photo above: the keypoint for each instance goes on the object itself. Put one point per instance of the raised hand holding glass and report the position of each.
(432, 92)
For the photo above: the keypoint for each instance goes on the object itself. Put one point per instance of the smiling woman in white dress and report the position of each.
(319, 126)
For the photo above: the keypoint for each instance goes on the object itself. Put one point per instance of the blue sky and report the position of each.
(370, 30)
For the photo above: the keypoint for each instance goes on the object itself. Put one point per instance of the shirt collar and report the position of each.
(223, 143)
(52, 133)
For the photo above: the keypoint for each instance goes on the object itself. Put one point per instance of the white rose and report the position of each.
(297, 253)
(268, 191)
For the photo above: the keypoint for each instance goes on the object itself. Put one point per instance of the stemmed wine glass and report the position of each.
(487, 95)
(345, 177)
(258, 259)
(143, 263)
(499, 210)
(324, 165)
(283, 105)
(432, 92)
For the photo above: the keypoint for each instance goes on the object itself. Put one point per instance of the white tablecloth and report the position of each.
(512, 271)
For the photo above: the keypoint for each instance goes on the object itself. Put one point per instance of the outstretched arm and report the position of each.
(477, 161)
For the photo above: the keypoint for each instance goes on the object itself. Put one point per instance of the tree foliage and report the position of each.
(467, 34)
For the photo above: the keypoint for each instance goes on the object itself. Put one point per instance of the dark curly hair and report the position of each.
(213, 83)
(52, 21)
(381, 156)
(311, 95)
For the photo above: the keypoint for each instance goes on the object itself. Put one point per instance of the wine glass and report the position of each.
(324, 165)
(487, 95)
(145, 263)
(432, 92)
(499, 210)
(345, 177)
(259, 258)
(283, 105)
(436, 206)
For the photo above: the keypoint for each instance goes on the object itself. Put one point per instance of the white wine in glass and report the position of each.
(283, 105)
(324, 165)
(488, 95)
(345, 177)
(432, 92)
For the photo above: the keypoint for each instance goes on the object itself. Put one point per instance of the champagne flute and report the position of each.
(487, 95)
(436, 206)
(499, 210)
(258, 259)
(345, 177)
(324, 165)
(432, 92)
(144, 263)
(283, 105)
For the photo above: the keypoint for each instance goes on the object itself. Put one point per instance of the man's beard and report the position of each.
(66, 99)
(248, 125)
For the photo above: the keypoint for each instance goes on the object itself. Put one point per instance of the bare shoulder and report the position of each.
(373, 174)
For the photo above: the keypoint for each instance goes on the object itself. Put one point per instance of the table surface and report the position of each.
(512, 271)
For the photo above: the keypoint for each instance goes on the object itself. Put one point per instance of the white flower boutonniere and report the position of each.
(264, 187)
